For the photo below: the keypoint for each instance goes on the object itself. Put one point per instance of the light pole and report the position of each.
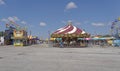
(48, 36)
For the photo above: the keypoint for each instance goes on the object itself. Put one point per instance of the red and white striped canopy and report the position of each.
(69, 29)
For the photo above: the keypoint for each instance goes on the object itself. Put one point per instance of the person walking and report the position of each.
(61, 44)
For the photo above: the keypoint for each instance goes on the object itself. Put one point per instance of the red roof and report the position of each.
(69, 29)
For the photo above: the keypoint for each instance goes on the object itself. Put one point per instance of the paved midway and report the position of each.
(40, 58)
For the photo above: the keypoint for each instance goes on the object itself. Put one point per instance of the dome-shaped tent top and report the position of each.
(69, 31)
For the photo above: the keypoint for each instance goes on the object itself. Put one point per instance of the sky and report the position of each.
(42, 17)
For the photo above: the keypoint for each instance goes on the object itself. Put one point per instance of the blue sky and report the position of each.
(41, 16)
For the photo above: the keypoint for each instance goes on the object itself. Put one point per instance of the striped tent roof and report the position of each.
(69, 29)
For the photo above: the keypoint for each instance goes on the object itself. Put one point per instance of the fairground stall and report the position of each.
(68, 36)
(20, 38)
(102, 40)
(32, 40)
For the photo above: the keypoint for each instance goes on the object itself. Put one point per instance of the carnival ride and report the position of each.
(9, 33)
(15, 34)
(115, 32)
(70, 35)
(20, 36)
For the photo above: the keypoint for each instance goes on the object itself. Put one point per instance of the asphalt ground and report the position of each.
(46, 58)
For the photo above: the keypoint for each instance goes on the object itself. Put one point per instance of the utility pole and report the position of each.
(48, 36)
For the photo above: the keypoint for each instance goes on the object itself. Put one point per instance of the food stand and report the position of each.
(20, 38)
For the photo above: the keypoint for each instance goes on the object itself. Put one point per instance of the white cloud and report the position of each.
(11, 18)
(14, 19)
(2, 2)
(71, 5)
(98, 24)
(4, 20)
(42, 24)
(67, 22)
(23, 22)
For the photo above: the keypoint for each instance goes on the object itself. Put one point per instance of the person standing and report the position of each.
(61, 44)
